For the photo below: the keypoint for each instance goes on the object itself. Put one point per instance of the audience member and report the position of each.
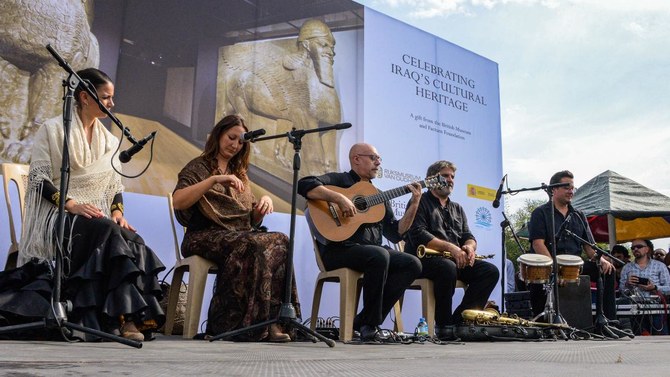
(646, 276)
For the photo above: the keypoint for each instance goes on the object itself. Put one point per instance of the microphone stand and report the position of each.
(287, 314)
(602, 324)
(57, 317)
(85, 85)
(551, 312)
(506, 223)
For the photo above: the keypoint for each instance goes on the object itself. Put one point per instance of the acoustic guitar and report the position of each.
(332, 225)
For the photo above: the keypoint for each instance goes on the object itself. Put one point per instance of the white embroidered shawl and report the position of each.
(92, 180)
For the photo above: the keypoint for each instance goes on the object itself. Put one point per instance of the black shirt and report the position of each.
(540, 228)
(448, 223)
(367, 234)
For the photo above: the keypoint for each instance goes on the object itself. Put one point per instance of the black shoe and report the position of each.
(368, 332)
(445, 333)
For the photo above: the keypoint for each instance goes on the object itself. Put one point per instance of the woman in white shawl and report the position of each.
(110, 274)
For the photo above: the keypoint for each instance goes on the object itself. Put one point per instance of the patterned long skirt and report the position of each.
(250, 281)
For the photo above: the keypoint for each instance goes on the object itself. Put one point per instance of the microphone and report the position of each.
(251, 135)
(342, 126)
(126, 155)
(563, 225)
(496, 201)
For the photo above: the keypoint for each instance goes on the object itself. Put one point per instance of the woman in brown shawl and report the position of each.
(213, 200)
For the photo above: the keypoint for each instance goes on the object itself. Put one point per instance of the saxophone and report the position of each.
(424, 252)
(491, 316)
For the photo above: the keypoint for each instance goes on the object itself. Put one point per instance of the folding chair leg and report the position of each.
(173, 297)
(197, 279)
(428, 306)
(397, 309)
(348, 300)
(316, 302)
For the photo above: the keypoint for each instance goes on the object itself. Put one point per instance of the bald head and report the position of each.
(358, 149)
(364, 160)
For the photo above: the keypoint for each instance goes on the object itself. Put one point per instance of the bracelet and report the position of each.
(116, 206)
(56, 198)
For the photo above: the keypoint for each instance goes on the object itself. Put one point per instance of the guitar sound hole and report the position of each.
(360, 204)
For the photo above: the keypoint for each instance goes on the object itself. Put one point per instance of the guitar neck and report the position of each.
(385, 196)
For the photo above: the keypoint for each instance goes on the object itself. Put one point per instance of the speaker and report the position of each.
(518, 303)
(575, 303)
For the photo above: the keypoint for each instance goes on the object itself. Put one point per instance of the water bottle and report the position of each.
(422, 327)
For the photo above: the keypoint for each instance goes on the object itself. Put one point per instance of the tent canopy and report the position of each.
(635, 210)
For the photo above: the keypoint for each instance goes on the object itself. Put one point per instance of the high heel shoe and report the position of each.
(276, 335)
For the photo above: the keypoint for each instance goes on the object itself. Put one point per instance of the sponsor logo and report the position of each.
(481, 192)
(483, 218)
(397, 175)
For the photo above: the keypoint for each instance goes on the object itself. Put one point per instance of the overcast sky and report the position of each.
(584, 84)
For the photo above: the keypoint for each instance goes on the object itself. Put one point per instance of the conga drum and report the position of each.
(569, 268)
(535, 268)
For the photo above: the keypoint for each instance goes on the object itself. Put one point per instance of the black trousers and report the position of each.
(386, 275)
(481, 279)
(538, 296)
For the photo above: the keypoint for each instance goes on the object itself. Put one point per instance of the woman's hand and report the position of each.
(229, 180)
(117, 217)
(89, 211)
(264, 206)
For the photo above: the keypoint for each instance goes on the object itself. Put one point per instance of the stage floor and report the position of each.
(172, 356)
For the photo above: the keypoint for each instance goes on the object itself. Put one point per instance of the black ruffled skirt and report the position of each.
(110, 275)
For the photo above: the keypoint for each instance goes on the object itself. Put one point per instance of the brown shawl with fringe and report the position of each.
(224, 206)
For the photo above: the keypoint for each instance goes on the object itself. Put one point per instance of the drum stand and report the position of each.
(602, 324)
(551, 312)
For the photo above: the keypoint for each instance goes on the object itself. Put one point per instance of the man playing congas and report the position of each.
(566, 217)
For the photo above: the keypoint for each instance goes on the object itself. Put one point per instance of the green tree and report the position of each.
(519, 221)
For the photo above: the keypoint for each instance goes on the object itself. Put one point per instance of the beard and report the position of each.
(324, 70)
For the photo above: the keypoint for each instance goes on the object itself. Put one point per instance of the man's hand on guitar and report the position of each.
(415, 188)
(346, 206)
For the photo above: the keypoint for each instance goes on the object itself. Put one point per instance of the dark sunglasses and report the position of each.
(635, 247)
